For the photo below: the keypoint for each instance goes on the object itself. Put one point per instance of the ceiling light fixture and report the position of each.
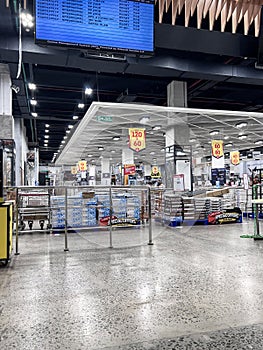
(32, 86)
(27, 19)
(258, 142)
(214, 132)
(116, 138)
(152, 153)
(241, 125)
(33, 102)
(90, 155)
(70, 126)
(88, 91)
(46, 130)
(101, 148)
(34, 114)
(46, 136)
(192, 140)
(228, 145)
(226, 137)
(63, 141)
(75, 117)
(67, 131)
(242, 137)
(156, 127)
(47, 125)
(144, 120)
(81, 105)
(65, 137)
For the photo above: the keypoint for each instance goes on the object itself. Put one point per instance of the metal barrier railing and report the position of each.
(56, 207)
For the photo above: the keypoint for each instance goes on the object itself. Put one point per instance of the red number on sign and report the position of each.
(136, 134)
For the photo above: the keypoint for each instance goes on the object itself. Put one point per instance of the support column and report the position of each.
(105, 172)
(178, 134)
(127, 158)
(7, 121)
(92, 175)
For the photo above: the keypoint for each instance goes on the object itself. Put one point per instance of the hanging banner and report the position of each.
(155, 172)
(82, 165)
(137, 139)
(129, 169)
(217, 149)
(74, 170)
(218, 159)
(234, 157)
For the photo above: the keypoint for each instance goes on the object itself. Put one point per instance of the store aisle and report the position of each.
(196, 288)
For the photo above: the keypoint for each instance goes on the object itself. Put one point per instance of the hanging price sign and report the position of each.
(82, 165)
(217, 149)
(74, 170)
(137, 139)
(234, 157)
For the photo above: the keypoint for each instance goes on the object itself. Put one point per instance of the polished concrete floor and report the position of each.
(196, 288)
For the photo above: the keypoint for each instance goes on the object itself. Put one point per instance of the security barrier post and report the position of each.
(150, 216)
(66, 220)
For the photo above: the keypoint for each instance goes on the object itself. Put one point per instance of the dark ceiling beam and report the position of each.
(205, 41)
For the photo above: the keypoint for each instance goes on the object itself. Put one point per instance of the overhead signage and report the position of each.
(217, 149)
(129, 169)
(235, 157)
(82, 165)
(104, 118)
(155, 172)
(74, 170)
(137, 139)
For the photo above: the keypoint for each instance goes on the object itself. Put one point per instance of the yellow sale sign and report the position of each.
(137, 139)
(217, 148)
(82, 165)
(234, 157)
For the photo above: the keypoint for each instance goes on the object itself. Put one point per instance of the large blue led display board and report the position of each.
(109, 25)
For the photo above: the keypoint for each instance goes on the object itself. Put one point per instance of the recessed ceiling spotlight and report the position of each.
(152, 153)
(67, 131)
(46, 130)
(33, 102)
(32, 86)
(226, 137)
(70, 126)
(228, 145)
(113, 151)
(241, 125)
(192, 140)
(100, 148)
(34, 114)
(46, 136)
(63, 141)
(116, 138)
(258, 142)
(75, 117)
(65, 137)
(214, 132)
(81, 105)
(144, 120)
(47, 125)
(163, 150)
(88, 91)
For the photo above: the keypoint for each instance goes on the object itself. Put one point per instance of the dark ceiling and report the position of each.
(219, 69)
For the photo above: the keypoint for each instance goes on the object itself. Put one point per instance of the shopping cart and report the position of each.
(34, 207)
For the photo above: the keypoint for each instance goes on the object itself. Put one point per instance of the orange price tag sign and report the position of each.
(137, 139)
(235, 157)
(82, 165)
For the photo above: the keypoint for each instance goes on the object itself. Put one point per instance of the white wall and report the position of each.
(21, 150)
